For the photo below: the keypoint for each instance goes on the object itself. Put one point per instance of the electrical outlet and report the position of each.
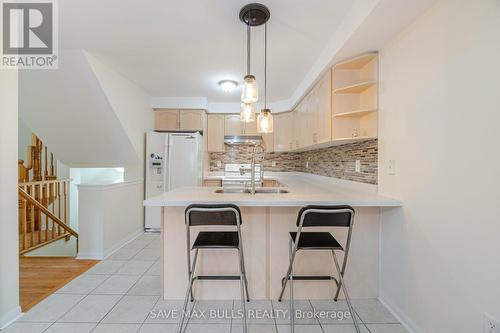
(219, 164)
(490, 324)
(357, 166)
(307, 164)
(392, 167)
(273, 164)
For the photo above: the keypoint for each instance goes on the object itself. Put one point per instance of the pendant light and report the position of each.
(247, 112)
(250, 92)
(265, 119)
(251, 15)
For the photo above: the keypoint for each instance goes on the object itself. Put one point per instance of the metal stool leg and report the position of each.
(291, 257)
(342, 271)
(242, 260)
(188, 290)
(344, 289)
(242, 289)
(292, 305)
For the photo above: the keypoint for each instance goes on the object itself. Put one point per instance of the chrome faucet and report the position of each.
(252, 167)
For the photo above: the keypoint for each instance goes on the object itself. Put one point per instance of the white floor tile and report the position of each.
(259, 312)
(134, 267)
(148, 255)
(373, 312)
(116, 328)
(300, 329)
(212, 328)
(343, 328)
(282, 312)
(158, 328)
(156, 244)
(167, 311)
(116, 285)
(91, 309)
(205, 307)
(70, 327)
(147, 286)
(131, 309)
(254, 328)
(387, 328)
(19, 327)
(335, 312)
(155, 269)
(83, 284)
(52, 308)
(123, 254)
(106, 267)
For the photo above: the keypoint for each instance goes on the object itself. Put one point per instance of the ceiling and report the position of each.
(183, 48)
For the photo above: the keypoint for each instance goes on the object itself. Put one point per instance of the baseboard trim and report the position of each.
(10, 317)
(107, 253)
(409, 324)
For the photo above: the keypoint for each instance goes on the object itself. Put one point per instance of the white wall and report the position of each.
(132, 107)
(9, 275)
(439, 120)
(108, 216)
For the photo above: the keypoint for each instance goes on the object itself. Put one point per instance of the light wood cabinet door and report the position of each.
(305, 119)
(251, 128)
(324, 110)
(296, 128)
(191, 119)
(283, 132)
(215, 133)
(166, 120)
(233, 125)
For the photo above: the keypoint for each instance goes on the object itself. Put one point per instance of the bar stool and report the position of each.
(320, 216)
(223, 215)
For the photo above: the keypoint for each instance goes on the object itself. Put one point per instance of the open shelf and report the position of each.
(355, 113)
(358, 62)
(355, 88)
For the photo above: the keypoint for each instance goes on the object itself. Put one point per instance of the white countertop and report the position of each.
(304, 189)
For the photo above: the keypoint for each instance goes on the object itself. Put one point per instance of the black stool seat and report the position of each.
(216, 239)
(316, 240)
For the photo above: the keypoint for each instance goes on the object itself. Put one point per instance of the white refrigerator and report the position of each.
(172, 160)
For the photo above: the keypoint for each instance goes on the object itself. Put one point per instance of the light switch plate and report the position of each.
(357, 166)
(392, 167)
(219, 164)
(273, 163)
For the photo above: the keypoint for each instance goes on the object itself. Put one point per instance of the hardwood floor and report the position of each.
(41, 276)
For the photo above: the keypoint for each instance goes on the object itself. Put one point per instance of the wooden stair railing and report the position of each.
(39, 223)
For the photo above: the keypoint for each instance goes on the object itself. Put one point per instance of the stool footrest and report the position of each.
(312, 278)
(217, 277)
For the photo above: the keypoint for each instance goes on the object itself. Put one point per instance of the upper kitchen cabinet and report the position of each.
(192, 119)
(283, 131)
(322, 129)
(355, 98)
(233, 125)
(166, 120)
(215, 132)
(189, 120)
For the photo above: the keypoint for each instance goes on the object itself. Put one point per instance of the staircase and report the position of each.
(43, 201)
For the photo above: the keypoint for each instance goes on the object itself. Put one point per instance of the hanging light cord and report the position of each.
(248, 49)
(265, 65)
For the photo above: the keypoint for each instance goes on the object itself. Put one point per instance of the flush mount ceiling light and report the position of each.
(252, 15)
(228, 85)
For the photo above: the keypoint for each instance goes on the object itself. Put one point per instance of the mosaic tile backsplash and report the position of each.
(337, 162)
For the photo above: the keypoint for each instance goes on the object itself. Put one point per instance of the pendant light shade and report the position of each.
(247, 113)
(250, 93)
(265, 121)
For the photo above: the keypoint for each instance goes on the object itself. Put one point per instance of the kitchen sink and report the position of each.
(264, 190)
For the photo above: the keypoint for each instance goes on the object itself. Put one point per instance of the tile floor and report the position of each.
(122, 294)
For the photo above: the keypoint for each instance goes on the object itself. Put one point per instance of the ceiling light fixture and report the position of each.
(251, 15)
(228, 85)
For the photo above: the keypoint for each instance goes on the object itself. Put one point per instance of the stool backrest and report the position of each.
(220, 214)
(325, 216)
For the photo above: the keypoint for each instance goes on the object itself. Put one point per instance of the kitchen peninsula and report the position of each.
(267, 219)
